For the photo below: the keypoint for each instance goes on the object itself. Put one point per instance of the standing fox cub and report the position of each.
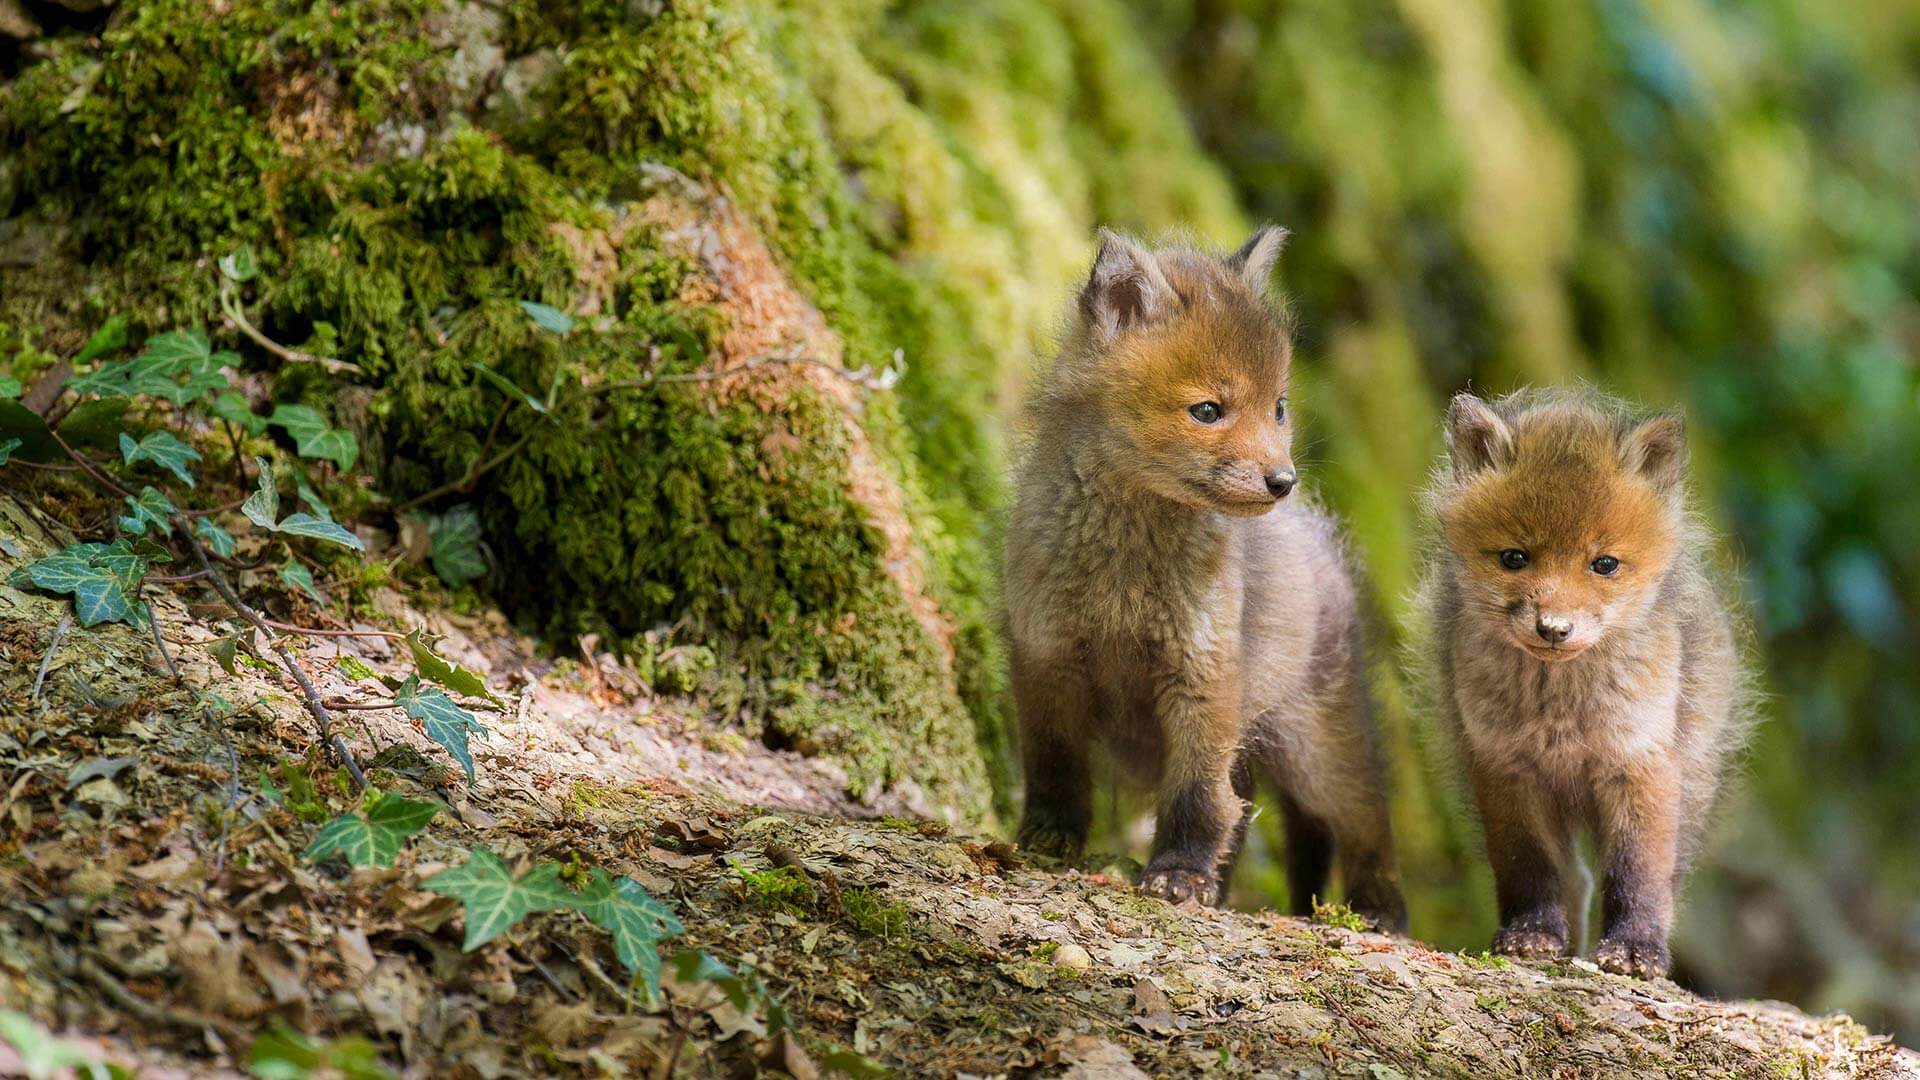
(1165, 598)
(1587, 662)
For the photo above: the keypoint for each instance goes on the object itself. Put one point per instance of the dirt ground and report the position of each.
(156, 910)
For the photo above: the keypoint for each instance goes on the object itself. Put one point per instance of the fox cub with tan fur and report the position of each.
(1587, 663)
(1166, 599)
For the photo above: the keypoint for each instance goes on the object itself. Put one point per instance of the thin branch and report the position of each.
(466, 482)
(86, 463)
(159, 642)
(46, 662)
(314, 632)
(863, 376)
(45, 467)
(314, 704)
(230, 306)
(174, 579)
(347, 706)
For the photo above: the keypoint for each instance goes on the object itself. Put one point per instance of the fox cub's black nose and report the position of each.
(1552, 630)
(1279, 483)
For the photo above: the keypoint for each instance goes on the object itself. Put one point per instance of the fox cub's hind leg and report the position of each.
(1309, 856)
(1055, 712)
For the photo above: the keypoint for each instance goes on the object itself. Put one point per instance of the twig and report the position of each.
(466, 482)
(150, 1012)
(547, 975)
(86, 463)
(44, 466)
(174, 579)
(314, 705)
(863, 376)
(316, 632)
(46, 662)
(153, 622)
(230, 306)
(349, 706)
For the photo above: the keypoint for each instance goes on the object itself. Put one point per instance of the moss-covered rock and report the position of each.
(700, 185)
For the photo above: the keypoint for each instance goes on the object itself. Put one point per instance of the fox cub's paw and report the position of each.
(1381, 904)
(1039, 839)
(1529, 944)
(1646, 959)
(1176, 884)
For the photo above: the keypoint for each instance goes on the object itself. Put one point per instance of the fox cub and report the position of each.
(1167, 601)
(1587, 663)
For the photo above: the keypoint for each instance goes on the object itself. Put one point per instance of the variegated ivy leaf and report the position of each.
(263, 508)
(178, 367)
(150, 508)
(493, 898)
(314, 436)
(373, 838)
(103, 579)
(218, 540)
(301, 578)
(233, 408)
(638, 922)
(163, 449)
(435, 668)
(7, 447)
(444, 721)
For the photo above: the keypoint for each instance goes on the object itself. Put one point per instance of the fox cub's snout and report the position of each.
(1563, 531)
(1193, 398)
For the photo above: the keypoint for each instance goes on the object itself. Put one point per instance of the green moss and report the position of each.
(874, 916)
(781, 888)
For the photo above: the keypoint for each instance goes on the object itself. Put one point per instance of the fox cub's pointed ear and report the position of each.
(1253, 263)
(1476, 436)
(1657, 450)
(1126, 288)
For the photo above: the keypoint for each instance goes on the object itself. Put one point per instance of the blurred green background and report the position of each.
(1687, 202)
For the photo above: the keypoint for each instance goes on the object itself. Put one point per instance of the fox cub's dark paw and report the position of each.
(1529, 944)
(1646, 959)
(1176, 884)
(1039, 839)
(1380, 903)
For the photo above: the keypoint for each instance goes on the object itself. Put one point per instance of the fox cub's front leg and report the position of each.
(1199, 808)
(1055, 712)
(1638, 834)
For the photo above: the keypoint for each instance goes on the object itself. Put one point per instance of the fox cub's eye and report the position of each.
(1605, 565)
(1513, 559)
(1280, 410)
(1207, 412)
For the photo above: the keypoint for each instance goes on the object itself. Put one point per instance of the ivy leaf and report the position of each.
(150, 508)
(159, 370)
(509, 387)
(314, 437)
(494, 899)
(435, 668)
(240, 266)
(42, 1055)
(373, 838)
(164, 450)
(444, 721)
(218, 540)
(233, 408)
(95, 423)
(301, 578)
(10, 387)
(7, 447)
(263, 506)
(453, 540)
(224, 652)
(301, 523)
(111, 335)
(636, 920)
(101, 593)
(550, 319)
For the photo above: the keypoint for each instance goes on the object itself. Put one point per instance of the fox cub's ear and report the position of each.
(1657, 450)
(1253, 263)
(1476, 436)
(1126, 288)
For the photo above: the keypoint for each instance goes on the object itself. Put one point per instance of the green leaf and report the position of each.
(435, 668)
(179, 367)
(509, 387)
(9, 387)
(150, 508)
(224, 651)
(637, 921)
(164, 450)
(263, 506)
(453, 540)
(301, 523)
(375, 837)
(101, 593)
(7, 447)
(310, 496)
(233, 408)
(36, 438)
(444, 721)
(314, 437)
(493, 898)
(281, 1053)
(218, 540)
(111, 335)
(547, 318)
(240, 266)
(95, 423)
(301, 578)
(41, 1055)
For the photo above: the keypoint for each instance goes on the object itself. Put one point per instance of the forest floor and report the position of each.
(156, 911)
